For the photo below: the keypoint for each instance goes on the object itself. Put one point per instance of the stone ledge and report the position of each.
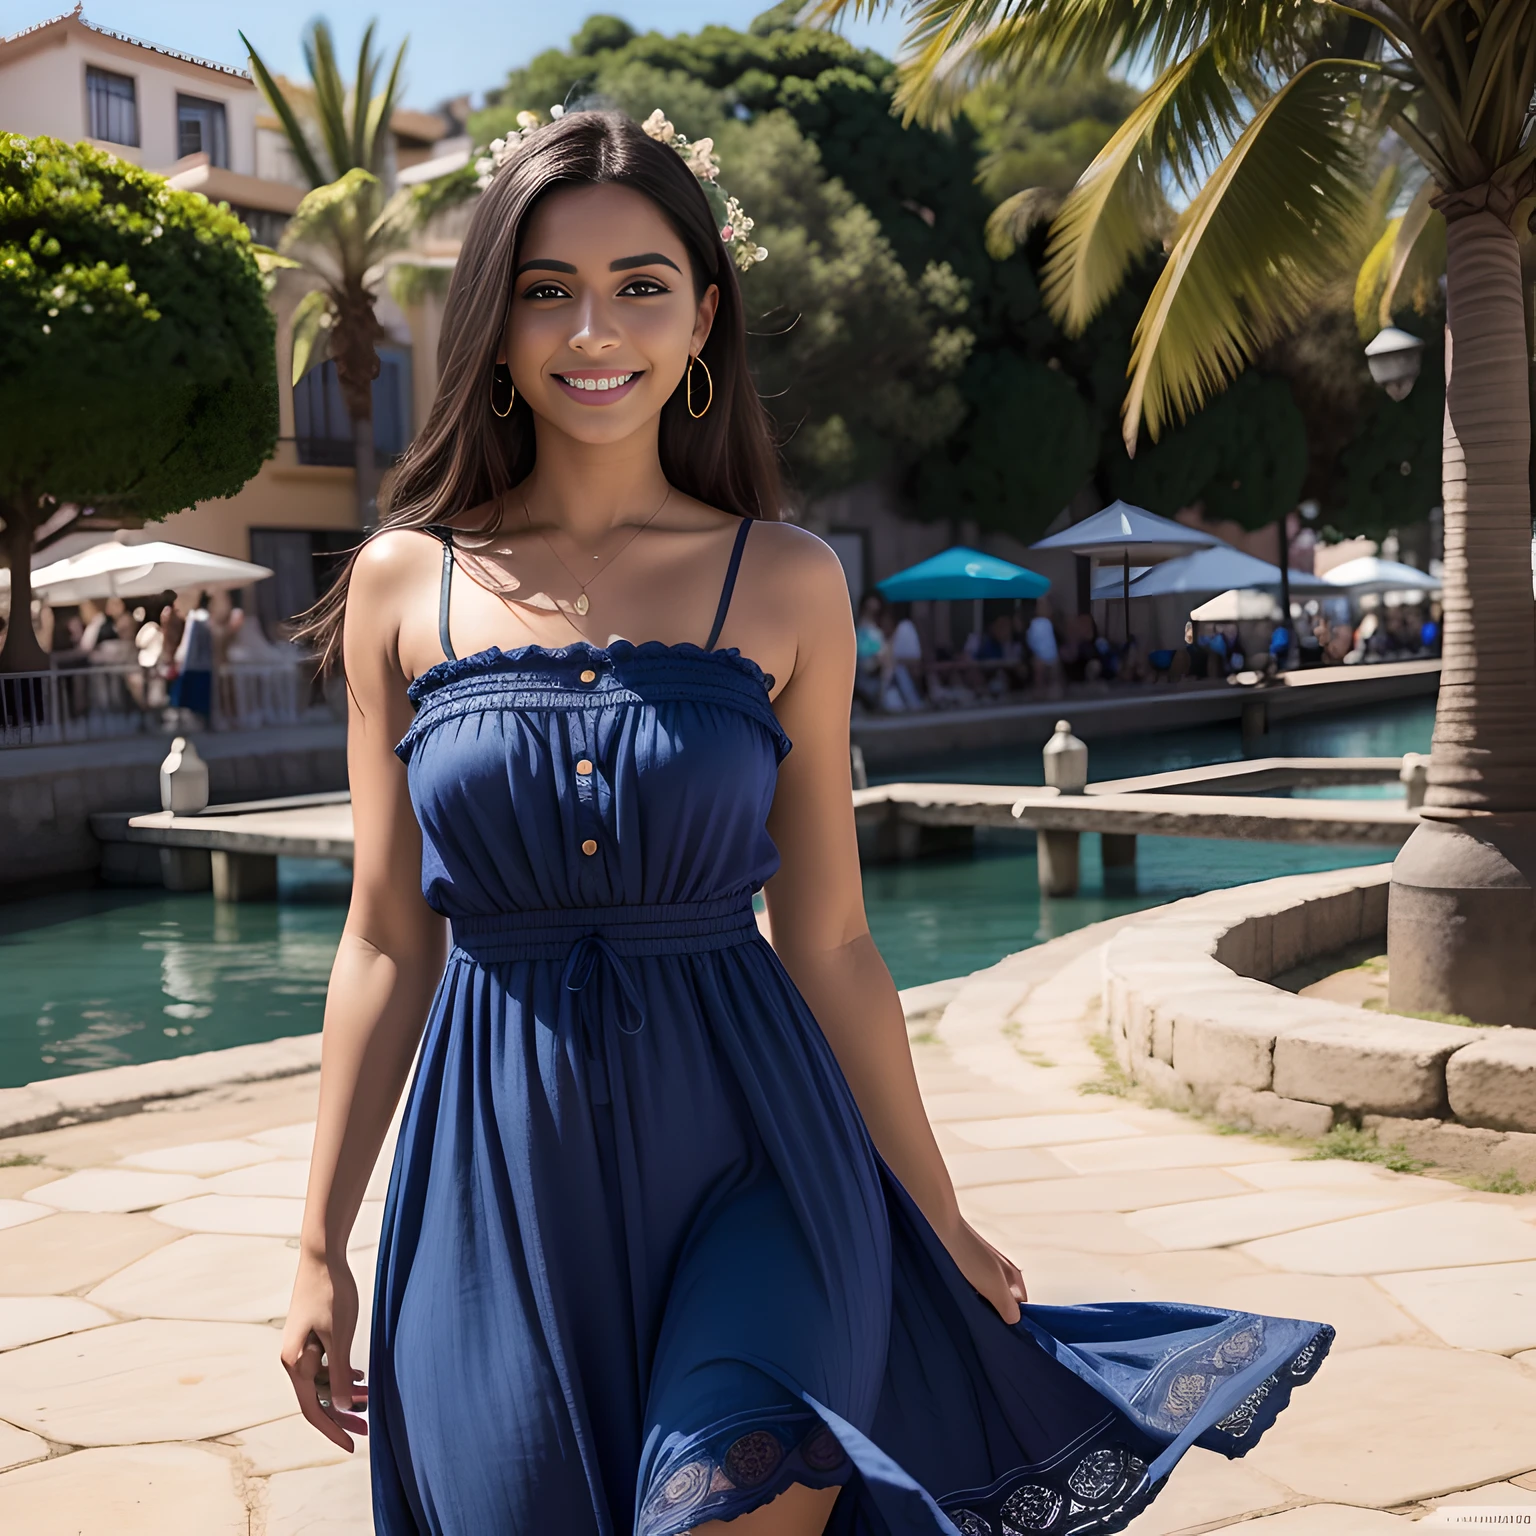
(1190, 1014)
(1387, 1064)
(1493, 1083)
(103, 1095)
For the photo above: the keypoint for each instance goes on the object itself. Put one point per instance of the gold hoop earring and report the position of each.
(688, 387)
(496, 373)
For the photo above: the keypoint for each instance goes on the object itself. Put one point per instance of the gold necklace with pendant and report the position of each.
(581, 605)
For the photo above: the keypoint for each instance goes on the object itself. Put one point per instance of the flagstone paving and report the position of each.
(145, 1263)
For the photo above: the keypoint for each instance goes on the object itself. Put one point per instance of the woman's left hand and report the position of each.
(992, 1273)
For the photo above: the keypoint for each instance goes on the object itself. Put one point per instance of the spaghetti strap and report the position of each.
(730, 582)
(444, 535)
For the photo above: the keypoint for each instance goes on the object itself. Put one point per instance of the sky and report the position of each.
(453, 47)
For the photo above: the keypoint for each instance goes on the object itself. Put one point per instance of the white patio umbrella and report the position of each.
(1212, 571)
(1122, 534)
(1236, 606)
(1373, 574)
(139, 570)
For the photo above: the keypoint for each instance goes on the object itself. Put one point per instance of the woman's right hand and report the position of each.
(317, 1348)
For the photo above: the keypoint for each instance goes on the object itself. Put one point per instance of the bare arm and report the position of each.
(387, 966)
(816, 911)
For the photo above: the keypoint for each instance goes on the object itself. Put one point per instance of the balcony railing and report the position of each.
(91, 703)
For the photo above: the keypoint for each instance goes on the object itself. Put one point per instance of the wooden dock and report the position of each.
(235, 848)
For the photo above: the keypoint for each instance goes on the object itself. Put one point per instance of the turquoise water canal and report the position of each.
(104, 978)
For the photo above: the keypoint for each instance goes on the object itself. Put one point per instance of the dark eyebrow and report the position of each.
(624, 263)
(545, 266)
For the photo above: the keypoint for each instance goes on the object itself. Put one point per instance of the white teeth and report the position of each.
(582, 382)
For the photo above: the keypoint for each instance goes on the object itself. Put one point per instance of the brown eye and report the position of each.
(546, 290)
(642, 288)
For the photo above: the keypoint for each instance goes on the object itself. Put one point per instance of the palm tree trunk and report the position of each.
(21, 652)
(1462, 925)
(366, 472)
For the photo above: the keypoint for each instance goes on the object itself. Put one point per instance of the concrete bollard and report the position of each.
(1415, 777)
(183, 779)
(1057, 854)
(1066, 760)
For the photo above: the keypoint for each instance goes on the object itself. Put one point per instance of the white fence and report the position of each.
(90, 703)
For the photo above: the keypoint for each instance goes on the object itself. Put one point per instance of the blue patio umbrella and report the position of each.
(961, 573)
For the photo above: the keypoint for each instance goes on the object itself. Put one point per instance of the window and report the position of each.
(114, 106)
(322, 427)
(266, 227)
(304, 562)
(200, 129)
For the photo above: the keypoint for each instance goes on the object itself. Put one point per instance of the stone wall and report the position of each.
(1191, 1015)
(48, 794)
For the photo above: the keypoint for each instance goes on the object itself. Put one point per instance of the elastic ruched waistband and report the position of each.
(548, 933)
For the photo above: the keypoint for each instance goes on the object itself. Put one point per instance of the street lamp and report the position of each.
(1394, 357)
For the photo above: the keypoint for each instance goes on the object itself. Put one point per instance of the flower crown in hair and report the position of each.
(698, 155)
(700, 158)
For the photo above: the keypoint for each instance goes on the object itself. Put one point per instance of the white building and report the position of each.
(206, 128)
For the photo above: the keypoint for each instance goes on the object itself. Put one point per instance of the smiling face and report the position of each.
(603, 316)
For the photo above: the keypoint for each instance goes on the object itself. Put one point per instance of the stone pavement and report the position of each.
(145, 1261)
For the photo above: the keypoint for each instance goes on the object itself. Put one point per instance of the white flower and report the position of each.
(527, 120)
(557, 110)
(702, 160)
(657, 126)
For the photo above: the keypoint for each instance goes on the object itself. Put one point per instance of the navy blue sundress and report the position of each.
(642, 1266)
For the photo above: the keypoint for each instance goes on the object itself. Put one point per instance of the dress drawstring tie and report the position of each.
(593, 956)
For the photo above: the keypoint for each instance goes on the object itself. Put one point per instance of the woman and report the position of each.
(872, 653)
(659, 1252)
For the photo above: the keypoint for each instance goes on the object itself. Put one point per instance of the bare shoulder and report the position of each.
(393, 557)
(391, 568)
(793, 555)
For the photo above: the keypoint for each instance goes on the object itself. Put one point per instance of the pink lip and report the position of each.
(596, 396)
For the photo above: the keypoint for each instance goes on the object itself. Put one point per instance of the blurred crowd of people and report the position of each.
(166, 653)
(1030, 652)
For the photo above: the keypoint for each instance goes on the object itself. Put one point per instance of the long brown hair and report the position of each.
(465, 454)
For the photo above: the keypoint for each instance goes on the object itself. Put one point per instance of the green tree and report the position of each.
(135, 350)
(1268, 115)
(840, 310)
(346, 227)
(836, 301)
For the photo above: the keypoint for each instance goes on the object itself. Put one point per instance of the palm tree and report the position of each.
(1263, 120)
(346, 227)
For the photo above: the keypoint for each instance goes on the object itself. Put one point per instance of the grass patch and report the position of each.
(1379, 1005)
(1505, 1182)
(1116, 1080)
(19, 1160)
(1356, 1146)
(1036, 1058)
(927, 1035)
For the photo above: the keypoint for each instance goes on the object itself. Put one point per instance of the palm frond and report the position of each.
(330, 228)
(950, 44)
(1109, 217)
(381, 109)
(313, 318)
(395, 224)
(330, 95)
(1254, 247)
(362, 96)
(293, 130)
(1418, 258)
(1010, 223)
